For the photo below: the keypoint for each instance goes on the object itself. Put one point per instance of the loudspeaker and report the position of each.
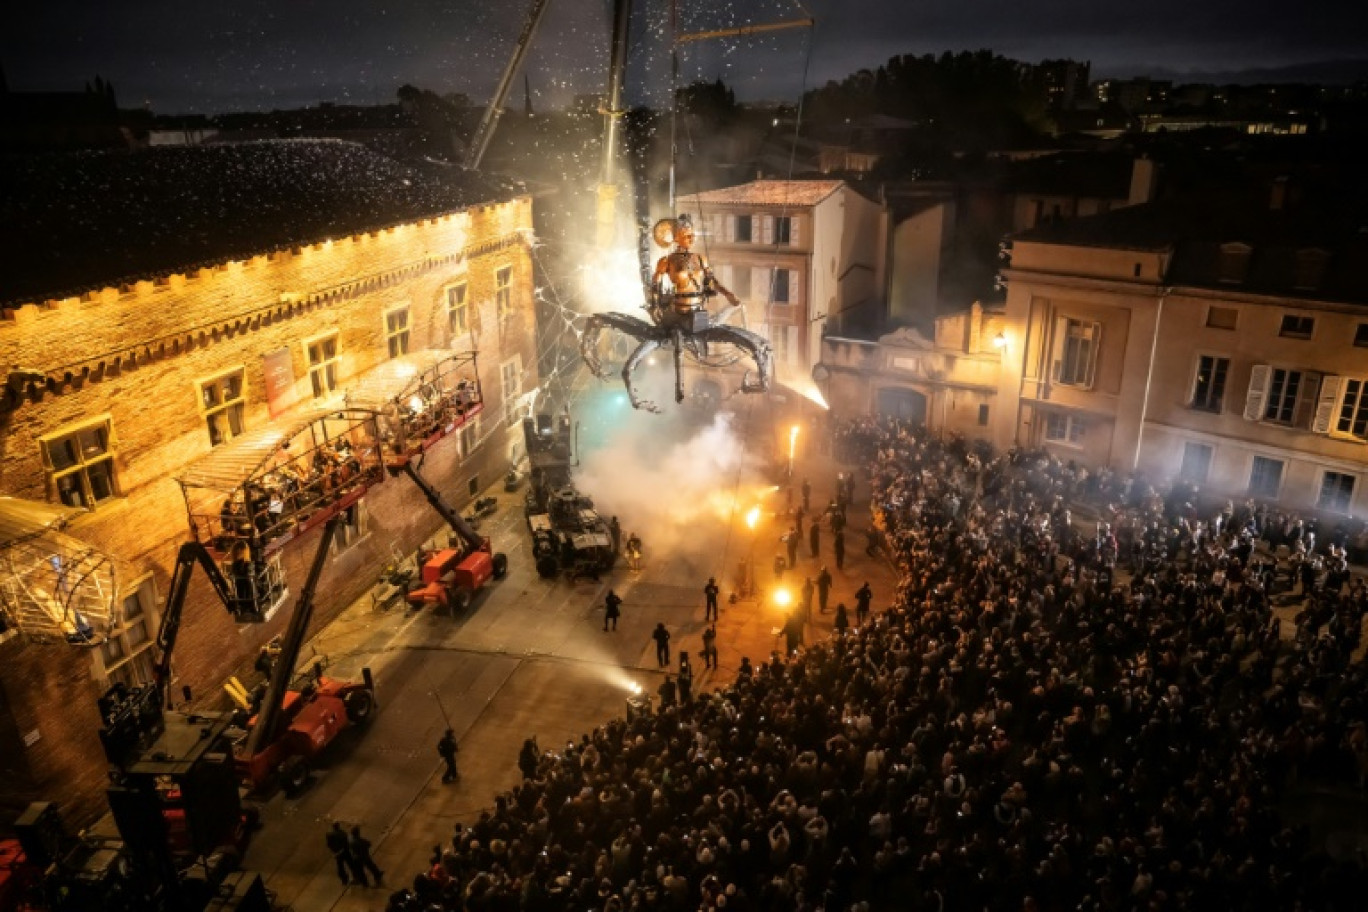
(212, 803)
(41, 833)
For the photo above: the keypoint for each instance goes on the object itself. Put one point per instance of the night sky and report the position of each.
(258, 54)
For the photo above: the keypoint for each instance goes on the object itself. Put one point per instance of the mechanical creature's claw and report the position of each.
(595, 324)
(756, 345)
(647, 346)
(588, 345)
(749, 384)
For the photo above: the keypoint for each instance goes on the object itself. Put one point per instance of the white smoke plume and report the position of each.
(678, 484)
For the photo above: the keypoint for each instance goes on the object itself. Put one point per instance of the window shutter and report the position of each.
(793, 354)
(793, 230)
(1257, 396)
(794, 297)
(1331, 389)
(1094, 350)
(766, 229)
(1061, 335)
(730, 231)
(1304, 413)
(724, 276)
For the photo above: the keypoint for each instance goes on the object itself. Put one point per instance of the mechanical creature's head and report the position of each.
(677, 231)
(684, 232)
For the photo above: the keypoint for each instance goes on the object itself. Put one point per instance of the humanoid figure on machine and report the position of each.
(679, 291)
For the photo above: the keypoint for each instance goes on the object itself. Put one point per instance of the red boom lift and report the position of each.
(450, 576)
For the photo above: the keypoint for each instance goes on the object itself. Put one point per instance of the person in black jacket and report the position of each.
(340, 847)
(662, 641)
(446, 749)
(612, 604)
(361, 860)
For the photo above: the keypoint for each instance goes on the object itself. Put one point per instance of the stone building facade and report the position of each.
(1219, 339)
(805, 256)
(112, 391)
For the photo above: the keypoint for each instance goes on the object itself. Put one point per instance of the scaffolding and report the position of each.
(419, 398)
(53, 586)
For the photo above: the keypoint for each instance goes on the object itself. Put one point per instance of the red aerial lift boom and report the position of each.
(450, 576)
(290, 728)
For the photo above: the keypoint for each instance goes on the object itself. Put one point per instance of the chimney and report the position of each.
(1277, 198)
(1144, 177)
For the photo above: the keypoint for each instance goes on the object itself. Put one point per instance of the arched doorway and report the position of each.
(903, 404)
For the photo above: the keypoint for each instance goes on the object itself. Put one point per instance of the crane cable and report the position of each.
(769, 304)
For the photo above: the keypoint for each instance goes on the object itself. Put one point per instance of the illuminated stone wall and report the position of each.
(138, 354)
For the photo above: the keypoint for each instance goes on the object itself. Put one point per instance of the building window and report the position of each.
(1075, 351)
(1361, 336)
(223, 402)
(1208, 389)
(741, 282)
(1353, 409)
(783, 341)
(80, 464)
(781, 286)
(322, 353)
(458, 311)
(1336, 492)
(1233, 265)
(470, 437)
(1265, 477)
(1063, 428)
(397, 331)
(354, 527)
(1296, 327)
(1222, 317)
(743, 229)
(1196, 463)
(510, 377)
(503, 291)
(1311, 269)
(783, 230)
(1283, 389)
(983, 416)
(126, 657)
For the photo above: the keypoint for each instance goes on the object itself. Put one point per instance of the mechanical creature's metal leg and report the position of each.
(753, 343)
(588, 345)
(647, 346)
(594, 326)
(677, 338)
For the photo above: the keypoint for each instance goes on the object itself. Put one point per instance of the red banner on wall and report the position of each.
(280, 385)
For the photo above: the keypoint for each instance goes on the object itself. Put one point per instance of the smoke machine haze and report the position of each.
(673, 485)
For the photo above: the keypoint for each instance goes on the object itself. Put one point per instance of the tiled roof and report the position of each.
(86, 220)
(766, 193)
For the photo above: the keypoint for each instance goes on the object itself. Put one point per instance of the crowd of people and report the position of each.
(1051, 714)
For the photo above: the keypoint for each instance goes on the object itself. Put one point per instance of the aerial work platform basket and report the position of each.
(54, 587)
(419, 398)
(247, 498)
